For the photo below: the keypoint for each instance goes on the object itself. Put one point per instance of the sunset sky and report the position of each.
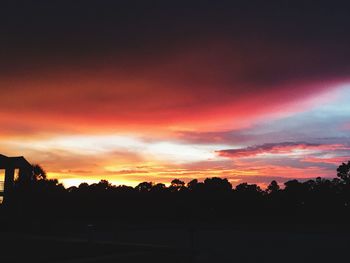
(140, 91)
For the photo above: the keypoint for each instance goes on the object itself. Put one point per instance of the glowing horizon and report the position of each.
(131, 158)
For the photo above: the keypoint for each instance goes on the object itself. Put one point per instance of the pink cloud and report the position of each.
(330, 160)
(345, 126)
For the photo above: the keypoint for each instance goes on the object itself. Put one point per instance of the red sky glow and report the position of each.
(210, 91)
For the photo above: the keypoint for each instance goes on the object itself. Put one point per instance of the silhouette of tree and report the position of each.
(343, 172)
(50, 185)
(216, 184)
(273, 187)
(83, 186)
(28, 177)
(144, 187)
(191, 185)
(158, 188)
(124, 189)
(176, 185)
(38, 172)
(104, 185)
(212, 199)
(248, 188)
(293, 185)
(337, 185)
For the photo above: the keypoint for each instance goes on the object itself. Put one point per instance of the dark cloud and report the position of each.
(45, 33)
(277, 148)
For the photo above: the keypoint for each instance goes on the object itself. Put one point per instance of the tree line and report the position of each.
(213, 199)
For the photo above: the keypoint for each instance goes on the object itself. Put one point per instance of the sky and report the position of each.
(133, 91)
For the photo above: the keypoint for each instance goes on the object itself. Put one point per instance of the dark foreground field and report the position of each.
(130, 243)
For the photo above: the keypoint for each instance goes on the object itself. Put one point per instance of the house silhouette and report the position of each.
(10, 164)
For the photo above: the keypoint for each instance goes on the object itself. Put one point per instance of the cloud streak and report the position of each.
(279, 149)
